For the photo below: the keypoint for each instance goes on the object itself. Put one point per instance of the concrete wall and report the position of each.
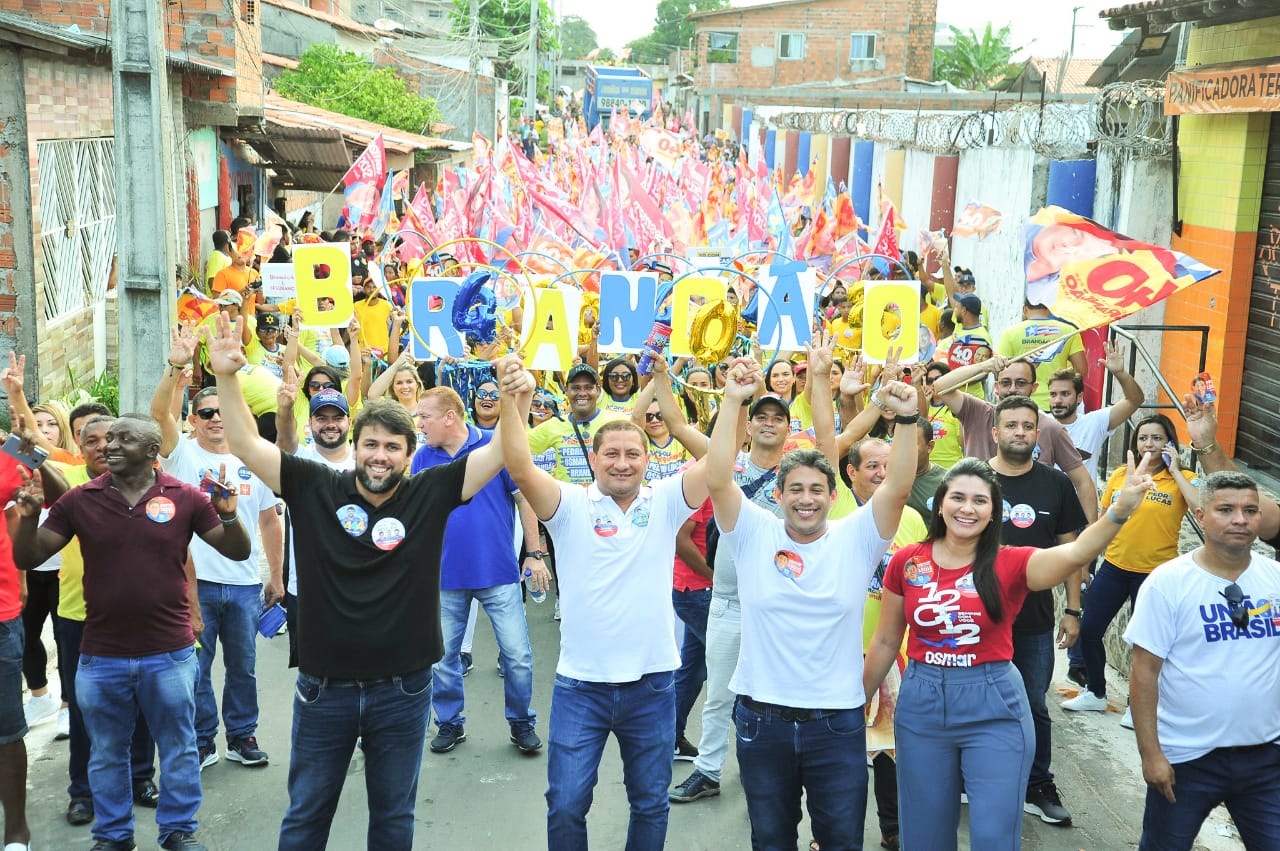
(917, 196)
(17, 264)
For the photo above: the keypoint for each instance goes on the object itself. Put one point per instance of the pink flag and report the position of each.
(362, 184)
(887, 237)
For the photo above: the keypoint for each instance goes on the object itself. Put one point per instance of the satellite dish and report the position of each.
(387, 25)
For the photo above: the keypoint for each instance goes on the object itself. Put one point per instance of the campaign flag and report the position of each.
(362, 184)
(887, 239)
(976, 219)
(400, 185)
(385, 213)
(1090, 276)
(194, 306)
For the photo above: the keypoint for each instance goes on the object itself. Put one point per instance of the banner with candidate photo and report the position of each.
(1089, 276)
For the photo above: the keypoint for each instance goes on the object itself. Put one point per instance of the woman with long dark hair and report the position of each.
(963, 722)
(621, 382)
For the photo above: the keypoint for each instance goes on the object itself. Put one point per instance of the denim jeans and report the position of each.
(231, 614)
(1243, 779)
(692, 607)
(724, 636)
(642, 715)
(1033, 657)
(506, 611)
(390, 717)
(1110, 588)
(142, 750)
(962, 730)
(825, 758)
(111, 691)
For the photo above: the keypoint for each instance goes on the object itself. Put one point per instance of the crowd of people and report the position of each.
(863, 559)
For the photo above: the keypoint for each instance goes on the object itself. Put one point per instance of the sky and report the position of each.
(1043, 27)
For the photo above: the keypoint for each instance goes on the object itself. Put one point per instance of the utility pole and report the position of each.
(146, 203)
(531, 84)
(473, 35)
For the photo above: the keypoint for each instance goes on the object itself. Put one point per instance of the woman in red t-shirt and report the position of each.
(963, 723)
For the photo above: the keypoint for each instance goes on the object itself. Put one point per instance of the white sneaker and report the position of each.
(1085, 701)
(64, 725)
(40, 708)
(1127, 720)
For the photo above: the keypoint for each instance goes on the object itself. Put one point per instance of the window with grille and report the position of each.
(791, 45)
(722, 48)
(77, 221)
(862, 46)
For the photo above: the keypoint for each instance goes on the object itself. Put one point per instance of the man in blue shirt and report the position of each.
(479, 563)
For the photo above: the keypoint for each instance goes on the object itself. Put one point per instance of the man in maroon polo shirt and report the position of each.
(138, 650)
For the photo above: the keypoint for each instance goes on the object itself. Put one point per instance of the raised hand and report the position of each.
(856, 372)
(226, 356)
(1114, 359)
(892, 370)
(513, 378)
(743, 381)
(900, 398)
(182, 344)
(12, 376)
(1137, 481)
(287, 395)
(821, 355)
(29, 498)
(223, 498)
(1202, 420)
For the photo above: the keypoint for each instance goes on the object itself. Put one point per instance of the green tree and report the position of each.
(577, 38)
(670, 29)
(975, 60)
(332, 78)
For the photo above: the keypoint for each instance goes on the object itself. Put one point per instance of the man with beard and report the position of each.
(571, 437)
(1040, 510)
(369, 603)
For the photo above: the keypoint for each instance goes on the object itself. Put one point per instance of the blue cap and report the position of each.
(330, 398)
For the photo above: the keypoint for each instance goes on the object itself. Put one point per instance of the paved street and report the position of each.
(486, 795)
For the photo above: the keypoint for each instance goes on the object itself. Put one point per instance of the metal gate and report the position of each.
(1260, 393)
(77, 221)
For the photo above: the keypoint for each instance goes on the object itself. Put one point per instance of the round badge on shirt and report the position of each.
(605, 527)
(918, 573)
(161, 509)
(789, 564)
(354, 520)
(641, 518)
(388, 533)
(1022, 515)
(244, 473)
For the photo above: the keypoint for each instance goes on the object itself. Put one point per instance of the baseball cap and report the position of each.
(337, 357)
(230, 297)
(269, 322)
(765, 400)
(971, 302)
(801, 366)
(582, 369)
(330, 398)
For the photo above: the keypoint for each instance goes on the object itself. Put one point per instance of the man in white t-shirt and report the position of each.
(1066, 390)
(802, 582)
(1205, 687)
(229, 595)
(615, 546)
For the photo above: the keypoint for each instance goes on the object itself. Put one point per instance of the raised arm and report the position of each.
(948, 387)
(743, 381)
(890, 498)
(32, 545)
(230, 538)
(383, 382)
(541, 491)
(852, 390)
(286, 396)
(182, 349)
(1050, 566)
(1190, 494)
(820, 358)
(485, 463)
(12, 378)
(672, 413)
(1133, 394)
(225, 359)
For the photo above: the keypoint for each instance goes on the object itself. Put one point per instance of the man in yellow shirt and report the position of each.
(572, 436)
(1038, 328)
(374, 313)
(219, 258)
(845, 331)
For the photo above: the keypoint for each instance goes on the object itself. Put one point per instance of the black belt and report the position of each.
(785, 713)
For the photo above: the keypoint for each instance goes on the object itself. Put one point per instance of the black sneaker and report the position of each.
(696, 785)
(685, 751)
(115, 845)
(145, 794)
(449, 737)
(1078, 676)
(207, 753)
(467, 664)
(1043, 801)
(525, 739)
(246, 751)
(182, 841)
(80, 811)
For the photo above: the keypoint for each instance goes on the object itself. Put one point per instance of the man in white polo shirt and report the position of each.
(803, 584)
(615, 546)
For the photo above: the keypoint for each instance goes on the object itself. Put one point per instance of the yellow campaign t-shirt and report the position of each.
(375, 318)
(259, 388)
(558, 435)
(71, 574)
(1149, 537)
(846, 335)
(608, 403)
(930, 316)
(948, 436)
(1032, 334)
(665, 461)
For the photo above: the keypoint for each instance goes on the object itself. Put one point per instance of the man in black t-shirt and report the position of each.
(368, 557)
(1041, 509)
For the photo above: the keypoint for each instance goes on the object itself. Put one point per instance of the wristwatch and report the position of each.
(1075, 613)
(879, 403)
(536, 554)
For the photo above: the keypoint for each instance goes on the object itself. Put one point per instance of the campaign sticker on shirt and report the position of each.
(641, 517)
(1022, 515)
(244, 473)
(1008, 509)
(917, 573)
(388, 533)
(789, 564)
(353, 519)
(605, 527)
(1035, 452)
(161, 509)
(965, 585)
(246, 489)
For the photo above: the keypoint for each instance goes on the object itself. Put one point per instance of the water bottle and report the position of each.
(535, 596)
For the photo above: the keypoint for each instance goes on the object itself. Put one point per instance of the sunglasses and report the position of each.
(208, 413)
(320, 385)
(653, 418)
(487, 395)
(1008, 382)
(723, 367)
(541, 403)
(1236, 606)
(618, 376)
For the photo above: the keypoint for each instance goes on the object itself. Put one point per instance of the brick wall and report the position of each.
(923, 19)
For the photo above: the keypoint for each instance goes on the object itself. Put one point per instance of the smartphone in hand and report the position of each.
(32, 459)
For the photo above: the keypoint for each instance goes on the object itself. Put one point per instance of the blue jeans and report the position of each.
(390, 716)
(13, 721)
(231, 614)
(110, 692)
(825, 757)
(142, 750)
(505, 609)
(642, 715)
(1245, 779)
(962, 729)
(1110, 588)
(692, 607)
(1033, 657)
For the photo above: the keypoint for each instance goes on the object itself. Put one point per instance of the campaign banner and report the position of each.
(1090, 276)
(323, 277)
(977, 220)
(279, 281)
(1205, 91)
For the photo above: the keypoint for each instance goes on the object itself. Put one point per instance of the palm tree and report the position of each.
(975, 61)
